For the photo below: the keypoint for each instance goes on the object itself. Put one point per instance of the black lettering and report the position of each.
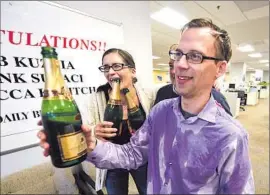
(3, 61)
(72, 89)
(1, 93)
(90, 89)
(19, 62)
(31, 63)
(25, 115)
(41, 92)
(69, 65)
(82, 90)
(73, 78)
(14, 117)
(5, 78)
(12, 94)
(28, 93)
(17, 78)
(37, 78)
(36, 113)
(66, 78)
(7, 118)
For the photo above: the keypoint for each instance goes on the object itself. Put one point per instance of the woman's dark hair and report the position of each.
(127, 58)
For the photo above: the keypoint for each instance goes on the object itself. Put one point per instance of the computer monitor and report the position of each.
(231, 86)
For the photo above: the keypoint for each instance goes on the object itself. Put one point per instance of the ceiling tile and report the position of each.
(249, 5)
(257, 13)
(225, 11)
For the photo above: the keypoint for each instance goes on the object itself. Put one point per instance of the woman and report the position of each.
(117, 63)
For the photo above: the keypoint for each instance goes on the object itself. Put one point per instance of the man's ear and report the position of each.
(133, 71)
(221, 68)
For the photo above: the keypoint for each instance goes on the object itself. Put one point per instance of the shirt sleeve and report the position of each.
(236, 175)
(132, 155)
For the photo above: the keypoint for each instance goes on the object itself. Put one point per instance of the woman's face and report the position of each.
(126, 74)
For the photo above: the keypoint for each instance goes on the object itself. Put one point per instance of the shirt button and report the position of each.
(166, 183)
(170, 163)
(93, 158)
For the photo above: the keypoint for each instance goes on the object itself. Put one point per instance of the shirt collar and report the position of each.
(208, 113)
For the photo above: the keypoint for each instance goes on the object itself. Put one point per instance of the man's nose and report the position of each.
(182, 63)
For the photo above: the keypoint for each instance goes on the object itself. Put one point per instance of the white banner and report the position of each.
(80, 41)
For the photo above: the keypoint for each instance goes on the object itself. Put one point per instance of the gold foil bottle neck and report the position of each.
(115, 95)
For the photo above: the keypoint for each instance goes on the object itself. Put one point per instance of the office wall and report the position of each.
(248, 75)
(135, 16)
(160, 77)
(137, 38)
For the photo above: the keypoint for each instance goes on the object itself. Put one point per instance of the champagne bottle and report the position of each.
(114, 109)
(60, 116)
(135, 114)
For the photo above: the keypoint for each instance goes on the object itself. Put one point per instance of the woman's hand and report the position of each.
(104, 130)
(43, 143)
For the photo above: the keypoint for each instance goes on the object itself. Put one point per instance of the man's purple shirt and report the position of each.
(204, 154)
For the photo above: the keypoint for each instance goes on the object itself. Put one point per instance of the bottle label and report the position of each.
(133, 110)
(72, 145)
(115, 102)
(52, 94)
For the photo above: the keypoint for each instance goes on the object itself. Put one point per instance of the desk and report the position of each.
(264, 93)
(252, 98)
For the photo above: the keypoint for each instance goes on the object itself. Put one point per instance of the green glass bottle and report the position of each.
(114, 110)
(135, 114)
(60, 116)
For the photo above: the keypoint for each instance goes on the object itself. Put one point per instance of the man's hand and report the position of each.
(101, 130)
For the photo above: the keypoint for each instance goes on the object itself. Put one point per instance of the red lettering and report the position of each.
(99, 45)
(45, 41)
(11, 37)
(93, 43)
(104, 46)
(28, 39)
(83, 43)
(65, 42)
(76, 43)
(55, 40)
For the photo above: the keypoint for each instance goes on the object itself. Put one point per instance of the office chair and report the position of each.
(241, 95)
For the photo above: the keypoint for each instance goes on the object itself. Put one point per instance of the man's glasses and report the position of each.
(192, 57)
(115, 67)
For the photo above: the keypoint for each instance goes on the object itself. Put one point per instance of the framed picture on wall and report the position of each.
(159, 78)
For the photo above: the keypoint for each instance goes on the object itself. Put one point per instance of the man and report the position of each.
(168, 91)
(192, 146)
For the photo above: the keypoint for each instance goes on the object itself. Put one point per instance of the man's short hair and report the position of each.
(223, 41)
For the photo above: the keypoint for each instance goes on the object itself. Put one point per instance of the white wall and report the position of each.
(137, 37)
(248, 74)
(135, 16)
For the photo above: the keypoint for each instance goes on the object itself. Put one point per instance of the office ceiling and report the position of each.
(246, 21)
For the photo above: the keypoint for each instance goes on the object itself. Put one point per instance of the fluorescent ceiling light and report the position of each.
(255, 55)
(155, 57)
(264, 61)
(170, 17)
(245, 48)
(250, 68)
